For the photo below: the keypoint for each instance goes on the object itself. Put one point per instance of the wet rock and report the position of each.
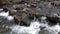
(56, 3)
(6, 2)
(46, 32)
(15, 1)
(42, 28)
(26, 10)
(24, 17)
(27, 21)
(53, 20)
(35, 0)
(16, 6)
(6, 22)
(58, 32)
(5, 9)
(30, 11)
(4, 30)
(12, 12)
(17, 19)
(33, 5)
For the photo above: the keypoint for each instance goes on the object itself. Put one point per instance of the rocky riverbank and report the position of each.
(23, 12)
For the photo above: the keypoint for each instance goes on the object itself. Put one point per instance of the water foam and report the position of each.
(6, 15)
(34, 28)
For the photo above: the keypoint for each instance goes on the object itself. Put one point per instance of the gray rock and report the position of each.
(4, 30)
(46, 32)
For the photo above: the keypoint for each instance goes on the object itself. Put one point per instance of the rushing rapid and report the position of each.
(35, 27)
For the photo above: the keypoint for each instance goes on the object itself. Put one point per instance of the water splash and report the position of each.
(1, 9)
(55, 29)
(32, 29)
(6, 15)
(10, 17)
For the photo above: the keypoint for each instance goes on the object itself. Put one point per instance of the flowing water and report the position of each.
(34, 28)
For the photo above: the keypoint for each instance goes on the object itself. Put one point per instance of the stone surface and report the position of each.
(4, 30)
(24, 11)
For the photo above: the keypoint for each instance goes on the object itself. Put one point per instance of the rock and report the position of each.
(17, 19)
(15, 1)
(2, 2)
(56, 3)
(53, 20)
(46, 32)
(5, 22)
(58, 32)
(34, 0)
(26, 10)
(24, 17)
(27, 20)
(16, 6)
(31, 12)
(33, 5)
(5, 9)
(12, 11)
(5, 30)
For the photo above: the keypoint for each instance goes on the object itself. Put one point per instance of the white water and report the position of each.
(1, 9)
(6, 15)
(34, 28)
